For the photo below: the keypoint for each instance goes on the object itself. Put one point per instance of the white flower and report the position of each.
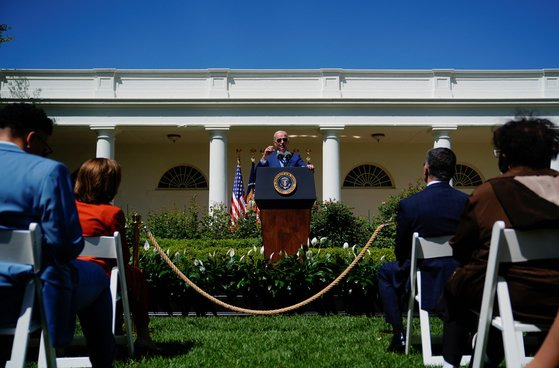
(271, 255)
(231, 252)
(382, 258)
(146, 246)
(346, 245)
(309, 253)
(314, 241)
(202, 269)
(197, 263)
(323, 240)
(262, 250)
(241, 259)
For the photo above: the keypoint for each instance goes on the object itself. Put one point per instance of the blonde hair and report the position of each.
(97, 181)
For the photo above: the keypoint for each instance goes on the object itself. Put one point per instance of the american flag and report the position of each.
(238, 205)
(251, 204)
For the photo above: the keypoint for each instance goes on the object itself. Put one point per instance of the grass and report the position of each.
(274, 341)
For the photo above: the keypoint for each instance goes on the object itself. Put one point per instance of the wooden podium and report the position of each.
(285, 196)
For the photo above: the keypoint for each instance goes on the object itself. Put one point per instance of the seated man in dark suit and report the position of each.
(432, 212)
(36, 189)
(278, 155)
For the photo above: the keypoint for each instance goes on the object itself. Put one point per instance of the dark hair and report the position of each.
(528, 142)
(97, 181)
(23, 118)
(441, 162)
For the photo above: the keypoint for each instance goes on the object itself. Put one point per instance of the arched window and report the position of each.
(466, 177)
(367, 176)
(182, 177)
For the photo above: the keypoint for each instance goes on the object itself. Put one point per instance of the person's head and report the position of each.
(529, 142)
(97, 181)
(440, 164)
(27, 126)
(281, 140)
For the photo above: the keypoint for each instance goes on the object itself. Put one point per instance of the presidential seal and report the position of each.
(285, 183)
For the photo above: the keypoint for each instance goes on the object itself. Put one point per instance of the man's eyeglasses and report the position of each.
(279, 140)
(496, 153)
(46, 150)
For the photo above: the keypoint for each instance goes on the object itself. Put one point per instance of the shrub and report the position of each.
(387, 212)
(245, 272)
(336, 222)
(176, 224)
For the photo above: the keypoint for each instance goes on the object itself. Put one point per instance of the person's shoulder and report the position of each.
(42, 166)
(104, 209)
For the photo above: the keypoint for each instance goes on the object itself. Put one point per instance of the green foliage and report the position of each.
(175, 224)
(4, 39)
(336, 222)
(189, 224)
(245, 272)
(387, 212)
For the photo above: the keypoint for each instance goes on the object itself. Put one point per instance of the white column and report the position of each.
(218, 166)
(331, 189)
(441, 136)
(105, 141)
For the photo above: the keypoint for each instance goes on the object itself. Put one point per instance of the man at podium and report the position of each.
(278, 155)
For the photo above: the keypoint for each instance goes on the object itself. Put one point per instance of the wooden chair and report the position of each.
(108, 247)
(425, 248)
(23, 248)
(510, 246)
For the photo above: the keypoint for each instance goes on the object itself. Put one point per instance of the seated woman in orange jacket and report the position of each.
(96, 185)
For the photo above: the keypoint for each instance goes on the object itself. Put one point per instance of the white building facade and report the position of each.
(178, 133)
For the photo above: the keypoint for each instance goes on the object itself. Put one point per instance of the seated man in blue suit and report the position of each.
(432, 212)
(36, 189)
(278, 155)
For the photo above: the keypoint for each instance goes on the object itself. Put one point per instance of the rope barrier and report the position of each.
(257, 311)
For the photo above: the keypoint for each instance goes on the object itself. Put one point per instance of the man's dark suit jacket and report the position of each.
(272, 161)
(434, 211)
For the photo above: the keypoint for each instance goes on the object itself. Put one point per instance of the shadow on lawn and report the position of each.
(168, 350)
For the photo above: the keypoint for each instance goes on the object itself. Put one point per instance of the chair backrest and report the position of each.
(431, 247)
(21, 246)
(102, 246)
(520, 246)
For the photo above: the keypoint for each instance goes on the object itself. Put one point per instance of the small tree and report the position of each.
(336, 222)
(4, 39)
(387, 212)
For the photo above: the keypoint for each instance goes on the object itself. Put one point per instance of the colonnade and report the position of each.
(218, 191)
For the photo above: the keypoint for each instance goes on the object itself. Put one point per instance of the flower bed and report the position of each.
(243, 277)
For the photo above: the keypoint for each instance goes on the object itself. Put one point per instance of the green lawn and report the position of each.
(275, 341)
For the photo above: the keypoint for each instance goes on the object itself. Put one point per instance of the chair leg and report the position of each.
(21, 336)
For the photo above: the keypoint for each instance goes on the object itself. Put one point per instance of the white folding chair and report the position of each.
(425, 248)
(510, 246)
(24, 247)
(108, 247)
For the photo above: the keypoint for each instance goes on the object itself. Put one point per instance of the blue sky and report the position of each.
(281, 34)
